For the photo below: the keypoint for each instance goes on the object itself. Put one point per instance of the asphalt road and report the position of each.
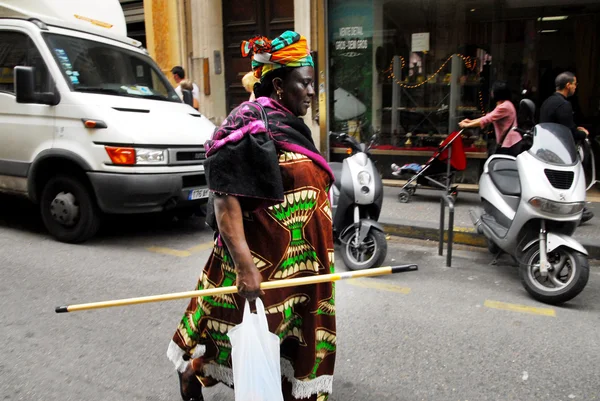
(469, 332)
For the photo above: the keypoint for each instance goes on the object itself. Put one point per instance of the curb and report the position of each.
(463, 236)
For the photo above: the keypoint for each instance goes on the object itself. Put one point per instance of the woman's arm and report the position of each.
(470, 123)
(228, 213)
(498, 113)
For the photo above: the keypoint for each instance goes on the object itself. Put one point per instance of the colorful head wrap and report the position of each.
(288, 50)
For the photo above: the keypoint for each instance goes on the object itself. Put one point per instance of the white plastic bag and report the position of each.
(255, 358)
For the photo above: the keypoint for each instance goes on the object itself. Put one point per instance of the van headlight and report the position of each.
(150, 156)
(564, 208)
(125, 156)
(364, 178)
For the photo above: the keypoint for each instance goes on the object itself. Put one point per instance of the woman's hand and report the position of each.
(248, 282)
(464, 123)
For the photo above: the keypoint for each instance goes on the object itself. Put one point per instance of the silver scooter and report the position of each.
(356, 199)
(532, 204)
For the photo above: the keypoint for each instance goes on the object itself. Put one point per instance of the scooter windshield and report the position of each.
(554, 144)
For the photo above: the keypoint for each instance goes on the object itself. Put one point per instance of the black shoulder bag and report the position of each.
(260, 153)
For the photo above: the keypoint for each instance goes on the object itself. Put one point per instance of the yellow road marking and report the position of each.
(519, 308)
(464, 229)
(181, 253)
(169, 251)
(378, 285)
(201, 247)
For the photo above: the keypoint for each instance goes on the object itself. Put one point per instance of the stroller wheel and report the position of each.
(404, 196)
(411, 190)
(453, 193)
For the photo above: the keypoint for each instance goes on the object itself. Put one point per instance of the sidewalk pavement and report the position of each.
(420, 217)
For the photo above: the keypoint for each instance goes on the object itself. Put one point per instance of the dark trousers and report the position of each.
(514, 150)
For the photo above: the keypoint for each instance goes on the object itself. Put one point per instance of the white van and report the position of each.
(88, 122)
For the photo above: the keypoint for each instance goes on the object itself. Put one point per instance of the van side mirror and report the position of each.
(25, 89)
(24, 85)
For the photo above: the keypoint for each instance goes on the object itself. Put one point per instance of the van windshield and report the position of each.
(96, 67)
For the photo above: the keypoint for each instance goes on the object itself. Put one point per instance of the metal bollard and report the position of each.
(446, 199)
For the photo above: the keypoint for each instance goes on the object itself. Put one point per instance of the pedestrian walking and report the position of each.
(273, 222)
(178, 76)
(504, 118)
(557, 109)
(187, 90)
(248, 81)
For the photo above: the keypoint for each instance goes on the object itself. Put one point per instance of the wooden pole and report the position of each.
(268, 285)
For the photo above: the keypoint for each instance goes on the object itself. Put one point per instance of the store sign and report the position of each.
(351, 25)
(356, 40)
(420, 42)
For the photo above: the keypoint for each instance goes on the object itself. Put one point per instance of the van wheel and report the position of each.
(68, 209)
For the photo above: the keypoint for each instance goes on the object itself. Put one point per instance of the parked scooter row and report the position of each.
(532, 205)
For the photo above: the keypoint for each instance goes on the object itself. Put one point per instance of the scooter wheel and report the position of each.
(404, 196)
(566, 278)
(371, 252)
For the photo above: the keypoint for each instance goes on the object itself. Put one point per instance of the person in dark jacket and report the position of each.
(557, 109)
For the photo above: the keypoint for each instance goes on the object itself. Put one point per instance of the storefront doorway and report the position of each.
(243, 19)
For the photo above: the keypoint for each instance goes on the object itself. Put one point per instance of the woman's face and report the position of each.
(298, 91)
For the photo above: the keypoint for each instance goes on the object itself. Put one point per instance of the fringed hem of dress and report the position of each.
(300, 388)
(175, 355)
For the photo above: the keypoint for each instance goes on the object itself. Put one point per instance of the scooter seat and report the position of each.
(505, 176)
(336, 167)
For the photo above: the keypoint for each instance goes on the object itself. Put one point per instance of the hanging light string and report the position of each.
(391, 67)
(482, 109)
(470, 63)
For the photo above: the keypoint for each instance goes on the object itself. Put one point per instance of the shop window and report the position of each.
(412, 70)
(415, 69)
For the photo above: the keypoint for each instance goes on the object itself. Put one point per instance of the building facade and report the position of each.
(204, 37)
(405, 69)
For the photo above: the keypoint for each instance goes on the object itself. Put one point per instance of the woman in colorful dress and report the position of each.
(273, 220)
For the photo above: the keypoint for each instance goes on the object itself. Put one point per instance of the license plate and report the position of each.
(198, 194)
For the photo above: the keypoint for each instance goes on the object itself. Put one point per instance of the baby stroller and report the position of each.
(438, 172)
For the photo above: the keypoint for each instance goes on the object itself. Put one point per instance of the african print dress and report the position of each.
(288, 240)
